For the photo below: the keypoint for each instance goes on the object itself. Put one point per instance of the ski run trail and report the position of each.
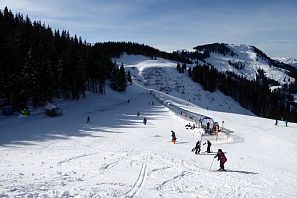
(116, 155)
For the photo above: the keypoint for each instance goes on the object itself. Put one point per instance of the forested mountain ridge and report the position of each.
(38, 64)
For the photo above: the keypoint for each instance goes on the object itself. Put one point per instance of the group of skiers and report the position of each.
(220, 154)
(197, 147)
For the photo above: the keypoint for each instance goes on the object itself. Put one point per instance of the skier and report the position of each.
(276, 122)
(222, 158)
(137, 113)
(173, 137)
(88, 120)
(207, 127)
(197, 147)
(144, 121)
(286, 123)
(208, 146)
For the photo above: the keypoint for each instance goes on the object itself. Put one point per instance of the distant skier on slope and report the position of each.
(144, 121)
(88, 120)
(276, 121)
(222, 158)
(208, 146)
(173, 137)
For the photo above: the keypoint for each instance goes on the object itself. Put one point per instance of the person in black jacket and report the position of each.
(208, 146)
(208, 127)
(197, 147)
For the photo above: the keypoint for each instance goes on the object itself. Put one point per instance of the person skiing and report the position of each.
(208, 146)
(144, 121)
(276, 122)
(286, 123)
(138, 113)
(222, 158)
(173, 137)
(197, 147)
(88, 120)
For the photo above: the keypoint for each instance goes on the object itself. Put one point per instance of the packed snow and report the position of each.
(116, 155)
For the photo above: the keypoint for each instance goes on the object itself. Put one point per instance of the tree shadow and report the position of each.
(32, 130)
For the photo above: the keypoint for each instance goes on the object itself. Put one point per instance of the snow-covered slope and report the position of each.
(162, 75)
(252, 61)
(290, 61)
(116, 155)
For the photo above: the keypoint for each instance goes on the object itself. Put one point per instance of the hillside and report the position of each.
(116, 155)
(289, 61)
(245, 61)
(161, 74)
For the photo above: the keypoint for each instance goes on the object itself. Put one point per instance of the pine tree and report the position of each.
(178, 68)
(190, 72)
(129, 79)
(122, 79)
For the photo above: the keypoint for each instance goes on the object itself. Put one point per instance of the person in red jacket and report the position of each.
(221, 156)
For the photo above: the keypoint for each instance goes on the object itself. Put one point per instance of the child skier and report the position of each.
(173, 137)
(221, 156)
(208, 146)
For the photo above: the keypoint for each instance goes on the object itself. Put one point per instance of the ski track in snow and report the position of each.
(139, 181)
(108, 166)
(179, 176)
(75, 157)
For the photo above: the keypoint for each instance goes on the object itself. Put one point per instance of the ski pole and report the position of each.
(211, 164)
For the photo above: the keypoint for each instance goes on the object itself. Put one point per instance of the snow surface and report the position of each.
(246, 55)
(116, 155)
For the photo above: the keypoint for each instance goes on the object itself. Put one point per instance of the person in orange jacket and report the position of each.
(173, 137)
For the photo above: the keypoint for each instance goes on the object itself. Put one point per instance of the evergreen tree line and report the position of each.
(181, 68)
(115, 49)
(37, 63)
(237, 64)
(221, 48)
(255, 96)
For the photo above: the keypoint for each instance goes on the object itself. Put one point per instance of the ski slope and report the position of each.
(116, 155)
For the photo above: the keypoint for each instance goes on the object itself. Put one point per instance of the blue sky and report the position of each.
(172, 24)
